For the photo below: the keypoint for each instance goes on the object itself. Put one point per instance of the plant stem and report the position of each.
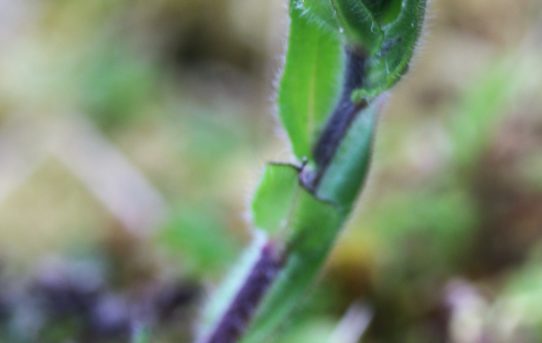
(237, 316)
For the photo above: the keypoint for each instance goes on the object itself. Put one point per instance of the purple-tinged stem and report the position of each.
(238, 315)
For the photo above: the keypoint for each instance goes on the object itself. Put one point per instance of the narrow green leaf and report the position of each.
(348, 169)
(311, 80)
(275, 197)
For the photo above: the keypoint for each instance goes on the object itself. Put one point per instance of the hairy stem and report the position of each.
(263, 273)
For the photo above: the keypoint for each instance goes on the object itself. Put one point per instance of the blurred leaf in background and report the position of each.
(198, 236)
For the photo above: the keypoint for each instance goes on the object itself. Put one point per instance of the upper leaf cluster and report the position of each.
(384, 32)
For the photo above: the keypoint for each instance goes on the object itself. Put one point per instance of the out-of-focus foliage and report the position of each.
(444, 245)
(200, 240)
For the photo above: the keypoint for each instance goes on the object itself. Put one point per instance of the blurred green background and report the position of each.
(132, 134)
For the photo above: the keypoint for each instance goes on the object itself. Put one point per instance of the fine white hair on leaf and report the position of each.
(424, 35)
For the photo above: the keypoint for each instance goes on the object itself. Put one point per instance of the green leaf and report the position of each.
(311, 78)
(358, 24)
(387, 65)
(275, 197)
(384, 11)
(348, 169)
(320, 11)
